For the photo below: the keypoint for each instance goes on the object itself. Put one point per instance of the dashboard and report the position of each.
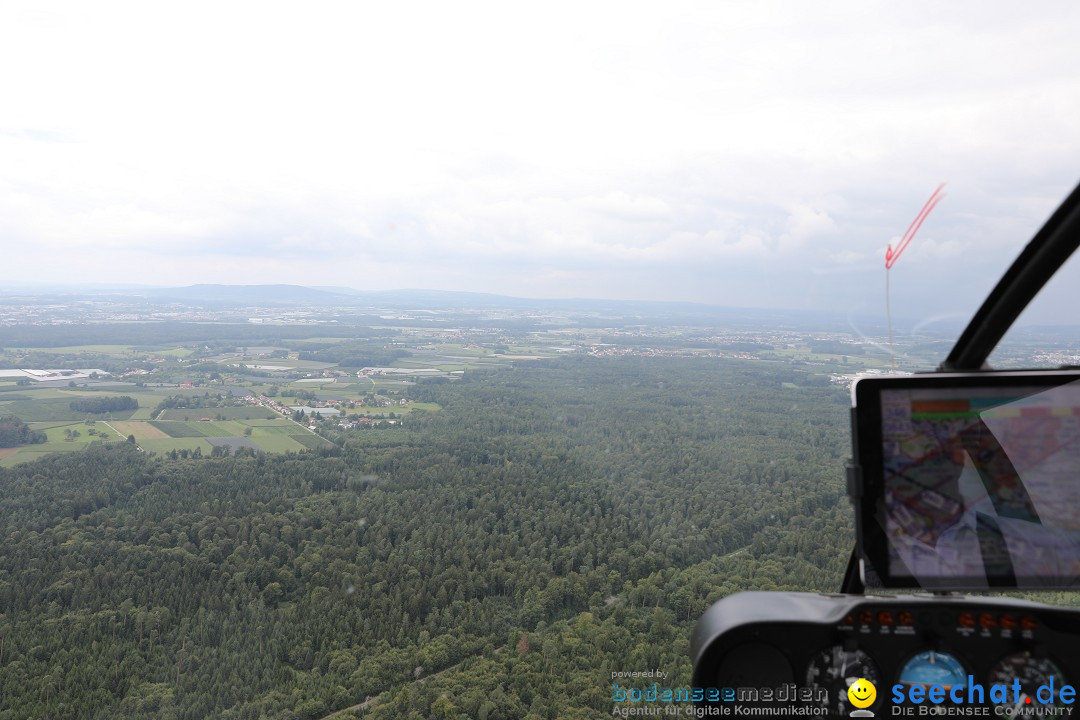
(903, 644)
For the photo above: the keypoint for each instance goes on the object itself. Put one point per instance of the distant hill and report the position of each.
(469, 306)
(245, 294)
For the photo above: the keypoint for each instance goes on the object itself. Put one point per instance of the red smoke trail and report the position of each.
(891, 256)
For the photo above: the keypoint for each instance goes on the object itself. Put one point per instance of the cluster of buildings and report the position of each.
(46, 376)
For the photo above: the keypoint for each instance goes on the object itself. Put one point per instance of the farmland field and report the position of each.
(308, 440)
(53, 409)
(266, 422)
(58, 441)
(23, 454)
(278, 443)
(278, 428)
(141, 430)
(396, 409)
(76, 349)
(177, 429)
(244, 412)
(226, 428)
(43, 393)
(164, 446)
(88, 432)
(233, 442)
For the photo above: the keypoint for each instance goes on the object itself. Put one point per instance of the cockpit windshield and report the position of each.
(449, 360)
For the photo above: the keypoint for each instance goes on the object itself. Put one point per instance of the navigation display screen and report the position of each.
(980, 485)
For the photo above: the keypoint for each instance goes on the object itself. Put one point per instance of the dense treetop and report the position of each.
(497, 559)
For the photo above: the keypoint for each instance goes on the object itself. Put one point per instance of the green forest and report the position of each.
(14, 432)
(554, 522)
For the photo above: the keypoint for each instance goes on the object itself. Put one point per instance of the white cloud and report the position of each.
(624, 207)
(515, 148)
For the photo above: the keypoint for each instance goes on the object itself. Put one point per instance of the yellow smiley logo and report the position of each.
(862, 693)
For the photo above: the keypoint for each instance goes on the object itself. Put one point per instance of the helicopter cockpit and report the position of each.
(964, 485)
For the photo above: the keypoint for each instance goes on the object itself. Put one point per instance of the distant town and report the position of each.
(211, 370)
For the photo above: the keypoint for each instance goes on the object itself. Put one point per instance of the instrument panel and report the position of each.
(899, 643)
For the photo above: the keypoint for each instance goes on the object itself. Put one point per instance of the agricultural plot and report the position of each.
(35, 392)
(310, 441)
(51, 409)
(278, 443)
(24, 454)
(274, 422)
(141, 430)
(164, 446)
(384, 382)
(62, 437)
(54, 404)
(337, 394)
(455, 349)
(233, 443)
(277, 428)
(395, 408)
(223, 428)
(179, 352)
(244, 412)
(273, 436)
(60, 434)
(78, 349)
(177, 429)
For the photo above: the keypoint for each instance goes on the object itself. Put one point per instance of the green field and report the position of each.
(140, 429)
(58, 441)
(245, 412)
(178, 429)
(278, 443)
(57, 434)
(317, 340)
(76, 349)
(273, 436)
(455, 349)
(287, 427)
(31, 452)
(53, 404)
(165, 445)
(385, 383)
(396, 409)
(50, 424)
(223, 428)
(36, 393)
(53, 409)
(266, 422)
(311, 441)
(346, 388)
(270, 435)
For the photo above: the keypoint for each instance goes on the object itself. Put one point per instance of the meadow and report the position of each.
(259, 432)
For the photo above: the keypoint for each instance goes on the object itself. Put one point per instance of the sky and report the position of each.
(752, 154)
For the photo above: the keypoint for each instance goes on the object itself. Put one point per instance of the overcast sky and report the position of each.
(747, 154)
